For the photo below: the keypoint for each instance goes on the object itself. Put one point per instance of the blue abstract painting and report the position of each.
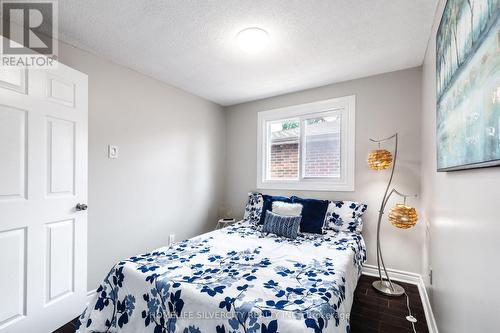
(468, 85)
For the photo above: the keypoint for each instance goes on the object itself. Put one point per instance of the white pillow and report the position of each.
(286, 209)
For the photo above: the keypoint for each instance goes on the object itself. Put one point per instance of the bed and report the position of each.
(236, 279)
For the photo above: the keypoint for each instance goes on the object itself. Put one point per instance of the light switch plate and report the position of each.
(112, 151)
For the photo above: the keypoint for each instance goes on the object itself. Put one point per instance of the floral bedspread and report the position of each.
(232, 280)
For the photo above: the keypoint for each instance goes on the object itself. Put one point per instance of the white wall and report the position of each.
(463, 244)
(169, 174)
(385, 104)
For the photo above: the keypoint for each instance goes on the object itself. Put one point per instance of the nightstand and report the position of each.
(222, 223)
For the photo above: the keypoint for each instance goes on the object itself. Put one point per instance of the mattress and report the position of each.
(236, 279)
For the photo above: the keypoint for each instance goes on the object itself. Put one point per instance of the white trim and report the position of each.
(397, 275)
(347, 105)
(411, 278)
(90, 295)
(429, 315)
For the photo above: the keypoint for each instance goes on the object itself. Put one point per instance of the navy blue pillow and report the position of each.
(313, 214)
(286, 226)
(268, 204)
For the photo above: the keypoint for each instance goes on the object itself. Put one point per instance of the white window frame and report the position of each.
(346, 106)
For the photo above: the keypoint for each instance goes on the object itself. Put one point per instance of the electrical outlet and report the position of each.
(171, 239)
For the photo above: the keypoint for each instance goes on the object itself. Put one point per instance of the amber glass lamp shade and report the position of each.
(380, 159)
(403, 216)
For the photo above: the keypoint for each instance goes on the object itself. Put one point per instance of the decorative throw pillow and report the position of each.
(345, 216)
(253, 208)
(286, 209)
(313, 214)
(286, 226)
(268, 204)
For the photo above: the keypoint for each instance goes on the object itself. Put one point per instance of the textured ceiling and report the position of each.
(191, 44)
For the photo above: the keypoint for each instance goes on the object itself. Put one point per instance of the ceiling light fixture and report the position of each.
(252, 40)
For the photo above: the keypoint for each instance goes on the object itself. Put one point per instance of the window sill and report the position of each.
(306, 186)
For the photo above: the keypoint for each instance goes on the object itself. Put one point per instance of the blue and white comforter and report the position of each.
(232, 280)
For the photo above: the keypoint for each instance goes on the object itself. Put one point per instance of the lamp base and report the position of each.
(385, 288)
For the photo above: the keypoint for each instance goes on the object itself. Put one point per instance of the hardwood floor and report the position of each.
(374, 312)
(68, 328)
(371, 312)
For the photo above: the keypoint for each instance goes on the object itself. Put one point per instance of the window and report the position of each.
(308, 146)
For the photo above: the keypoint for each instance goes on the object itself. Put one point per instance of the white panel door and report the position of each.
(43, 178)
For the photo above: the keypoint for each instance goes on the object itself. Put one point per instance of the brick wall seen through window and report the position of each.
(322, 158)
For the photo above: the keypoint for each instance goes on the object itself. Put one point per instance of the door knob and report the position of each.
(81, 206)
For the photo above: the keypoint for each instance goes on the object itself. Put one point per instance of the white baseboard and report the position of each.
(412, 278)
(394, 274)
(90, 294)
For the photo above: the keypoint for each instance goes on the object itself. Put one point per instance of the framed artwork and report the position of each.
(468, 85)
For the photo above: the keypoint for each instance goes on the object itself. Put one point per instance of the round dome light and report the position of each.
(252, 40)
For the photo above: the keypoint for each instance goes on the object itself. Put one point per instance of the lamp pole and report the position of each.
(386, 287)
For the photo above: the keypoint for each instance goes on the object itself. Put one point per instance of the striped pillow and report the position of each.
(286, 226)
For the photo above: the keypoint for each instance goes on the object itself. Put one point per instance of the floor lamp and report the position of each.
(401, 215)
